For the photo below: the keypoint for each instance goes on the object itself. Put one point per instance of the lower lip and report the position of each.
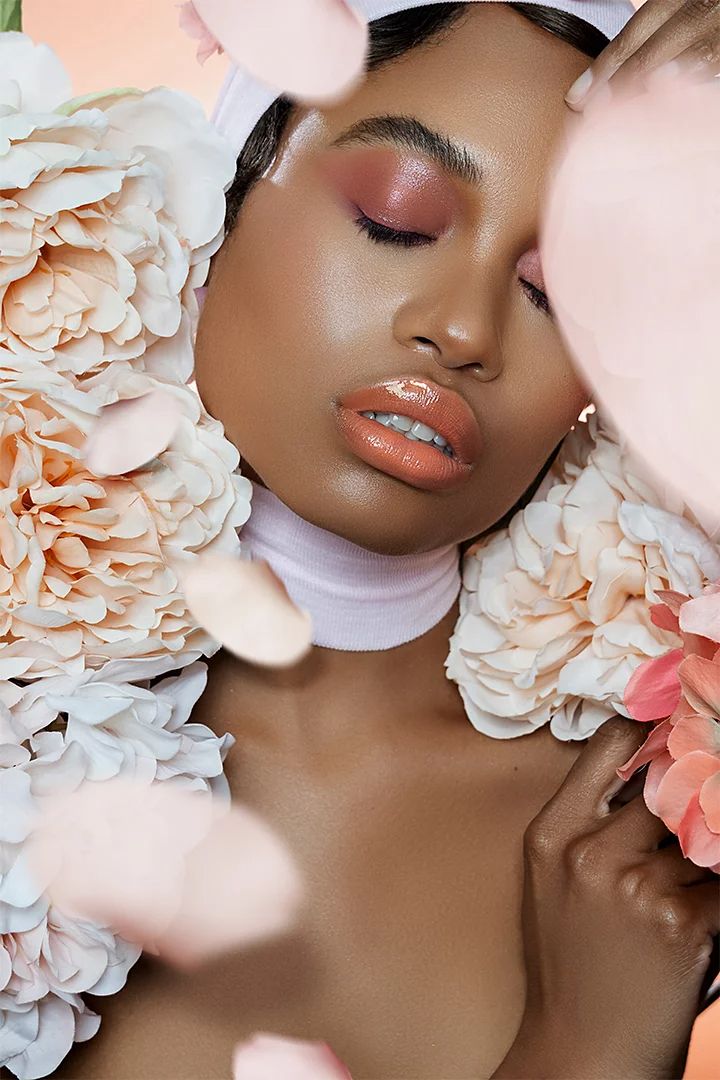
(415, 463)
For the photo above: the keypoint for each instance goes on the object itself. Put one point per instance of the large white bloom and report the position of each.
(108, 219)
(555, 610)
(101, 728)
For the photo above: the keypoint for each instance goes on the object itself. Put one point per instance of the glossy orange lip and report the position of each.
(416, 463)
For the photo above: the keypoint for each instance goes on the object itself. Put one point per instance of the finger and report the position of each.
(688, 41)
(701, 61)
(584, 798)
(634, 828)
(649, 19)
(704, 901)
(673, 867)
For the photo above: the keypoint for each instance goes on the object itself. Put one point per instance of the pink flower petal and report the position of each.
(710, 802)
(702, 616)
(654, 688)
(246, 607)
(655, 775)
(268, 1057)
(694, 733)
(698, 843)
(672, 600)
(312, 49)
(681, 781)
(631, 298)
(168, 868)
(664, 618)
(700, 681)
(193, 25)
(130, 433)
(654, 746)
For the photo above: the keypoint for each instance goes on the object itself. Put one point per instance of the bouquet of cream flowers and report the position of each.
(111, 207)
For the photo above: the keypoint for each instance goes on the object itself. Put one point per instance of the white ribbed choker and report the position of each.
(359, 601)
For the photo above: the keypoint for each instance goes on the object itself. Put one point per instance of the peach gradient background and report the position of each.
(109, 43)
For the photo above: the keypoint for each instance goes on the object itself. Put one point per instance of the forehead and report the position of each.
(494, 83)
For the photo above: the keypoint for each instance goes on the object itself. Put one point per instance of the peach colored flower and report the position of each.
(682, 690)
(110, 210)
(86, 565)
(554, 611)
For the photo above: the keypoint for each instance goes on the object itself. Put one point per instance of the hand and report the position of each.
(618, 931)
(672, 35)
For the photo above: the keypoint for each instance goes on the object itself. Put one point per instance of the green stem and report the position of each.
(10, 15)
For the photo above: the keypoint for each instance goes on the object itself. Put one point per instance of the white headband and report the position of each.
(243, 99)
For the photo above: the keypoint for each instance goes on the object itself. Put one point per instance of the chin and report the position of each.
(375, 513)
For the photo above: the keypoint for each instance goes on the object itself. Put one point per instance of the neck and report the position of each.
(359, 601)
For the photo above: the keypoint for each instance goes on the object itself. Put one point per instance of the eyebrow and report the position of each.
(410, 133)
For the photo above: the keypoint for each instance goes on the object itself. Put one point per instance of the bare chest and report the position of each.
(407, 957)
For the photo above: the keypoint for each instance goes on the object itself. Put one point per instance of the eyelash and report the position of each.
(383, 234)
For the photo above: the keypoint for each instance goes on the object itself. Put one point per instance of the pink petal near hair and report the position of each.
(130, 433)
(312, 49)
(245, 607)
(193, 25)
(269, 1057)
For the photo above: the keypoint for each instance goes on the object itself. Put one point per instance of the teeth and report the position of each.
(412, 430)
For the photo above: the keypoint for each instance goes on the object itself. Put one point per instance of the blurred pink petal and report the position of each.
(654, 746)
(193, 25)
(245, 606)
(700, 681)
(268, 1057)
(169, 868)
(654, 688)
(697, 841)
(312, 49)
(679, 784)
(130, 433)
(702, 616)
(630, 255)
(240, 887)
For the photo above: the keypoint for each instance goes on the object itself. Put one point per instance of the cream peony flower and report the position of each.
(110, 210)
(112, 729)
(554, 610)
(86, 565)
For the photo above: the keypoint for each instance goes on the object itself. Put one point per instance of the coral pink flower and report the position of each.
(682, 689)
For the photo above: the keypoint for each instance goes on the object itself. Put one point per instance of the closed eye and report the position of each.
(383, 234)
(537, 297)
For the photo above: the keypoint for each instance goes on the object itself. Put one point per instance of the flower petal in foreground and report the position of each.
(269, 1057)
(131, 432)
(245, 606)
(312, 49)
(170, 869)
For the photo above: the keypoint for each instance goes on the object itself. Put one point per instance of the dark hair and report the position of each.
(390, 38)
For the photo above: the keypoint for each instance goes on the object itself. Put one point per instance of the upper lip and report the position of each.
(421, 399)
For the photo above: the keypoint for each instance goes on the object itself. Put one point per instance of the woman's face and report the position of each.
(397, 257)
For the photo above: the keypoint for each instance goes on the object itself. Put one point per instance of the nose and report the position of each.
(456, 319)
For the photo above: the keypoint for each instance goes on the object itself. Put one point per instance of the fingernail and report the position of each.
(579, 88)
